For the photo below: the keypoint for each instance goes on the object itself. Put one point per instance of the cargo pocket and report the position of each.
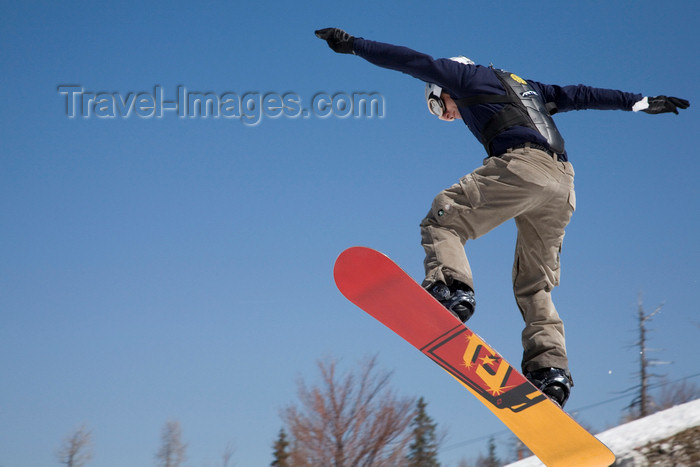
(556, 272)
(572, 199)
(460, 197)
(470, 187)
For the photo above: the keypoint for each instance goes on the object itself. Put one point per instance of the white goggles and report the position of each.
(436, 105)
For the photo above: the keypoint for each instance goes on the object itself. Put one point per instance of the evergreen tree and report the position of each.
(423, 449)
(281, 455)
(491, 460)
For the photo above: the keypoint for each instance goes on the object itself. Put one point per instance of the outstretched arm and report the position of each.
(580, 97)
(443, 72)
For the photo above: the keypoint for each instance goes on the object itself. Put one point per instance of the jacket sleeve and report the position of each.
(443, 72)
(580, 97)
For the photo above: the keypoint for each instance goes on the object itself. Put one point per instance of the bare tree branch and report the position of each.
(677, 393)
(172, 449)
(643, 404)
(353, 419)
(227, 455)
(76, 449)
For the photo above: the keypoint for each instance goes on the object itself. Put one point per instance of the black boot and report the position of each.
(459, 299)
(555, 383)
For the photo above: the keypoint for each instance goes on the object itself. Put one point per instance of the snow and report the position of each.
(623, 439)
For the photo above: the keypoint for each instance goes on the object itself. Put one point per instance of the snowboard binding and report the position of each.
(555, 383)
(459, 299)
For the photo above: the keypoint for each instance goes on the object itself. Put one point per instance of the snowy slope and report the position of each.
(624, 438)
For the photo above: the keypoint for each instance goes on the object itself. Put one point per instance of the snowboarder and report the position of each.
(526, 176)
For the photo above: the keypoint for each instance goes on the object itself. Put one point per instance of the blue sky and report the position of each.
(181, 268)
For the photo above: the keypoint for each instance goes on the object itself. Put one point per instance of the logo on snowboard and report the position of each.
(483, 370)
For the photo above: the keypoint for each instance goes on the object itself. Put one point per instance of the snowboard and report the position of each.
(377, 285)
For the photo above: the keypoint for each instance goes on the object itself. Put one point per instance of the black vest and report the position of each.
(523, 107)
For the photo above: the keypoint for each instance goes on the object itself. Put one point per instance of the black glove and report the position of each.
(663, 104)
(338, 40)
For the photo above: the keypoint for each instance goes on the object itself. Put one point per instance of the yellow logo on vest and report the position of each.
(518, 78)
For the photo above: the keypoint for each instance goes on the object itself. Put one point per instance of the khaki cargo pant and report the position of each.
(536, 190)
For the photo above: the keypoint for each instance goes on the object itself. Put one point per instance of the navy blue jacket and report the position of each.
(460, 81)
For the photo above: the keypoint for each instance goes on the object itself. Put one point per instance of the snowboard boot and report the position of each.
(555, 383)
(458, 299)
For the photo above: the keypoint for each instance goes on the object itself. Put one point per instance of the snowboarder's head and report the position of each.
(441, 103)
